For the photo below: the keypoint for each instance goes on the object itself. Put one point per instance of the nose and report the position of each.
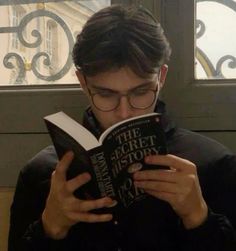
(124, 110)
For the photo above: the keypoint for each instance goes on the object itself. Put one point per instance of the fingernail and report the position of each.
(112, 204)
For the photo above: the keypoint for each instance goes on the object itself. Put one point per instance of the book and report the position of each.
(112, 159)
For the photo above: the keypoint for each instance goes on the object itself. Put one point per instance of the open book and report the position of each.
(111, 160)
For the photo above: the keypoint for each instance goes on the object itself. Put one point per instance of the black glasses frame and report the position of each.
(121, 95)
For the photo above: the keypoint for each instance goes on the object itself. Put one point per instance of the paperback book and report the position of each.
(112, 159)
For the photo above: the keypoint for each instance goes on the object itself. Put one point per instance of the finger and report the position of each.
(158, 186)
(173, 161)
(91, 218)
(63, 165)
(77, 182)
(88, 205)
(168, 197)
(160, 175)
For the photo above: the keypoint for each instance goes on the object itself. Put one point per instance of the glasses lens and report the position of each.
(142, 100)
(139, 99)
(105, 102)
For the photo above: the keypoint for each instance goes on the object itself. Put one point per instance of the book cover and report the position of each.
(112, 159)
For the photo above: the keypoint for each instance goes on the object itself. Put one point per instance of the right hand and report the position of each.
(63, 209)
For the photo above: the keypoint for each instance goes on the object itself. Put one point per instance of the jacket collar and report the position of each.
(91, 123)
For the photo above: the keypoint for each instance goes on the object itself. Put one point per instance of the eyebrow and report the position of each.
(100, 88)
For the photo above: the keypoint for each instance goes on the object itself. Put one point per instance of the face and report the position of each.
(121, 81)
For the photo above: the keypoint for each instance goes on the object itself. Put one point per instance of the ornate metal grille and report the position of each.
(41, 59)
(223, 66)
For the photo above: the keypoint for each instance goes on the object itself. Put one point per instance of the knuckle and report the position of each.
(192, 179)
(192, 167)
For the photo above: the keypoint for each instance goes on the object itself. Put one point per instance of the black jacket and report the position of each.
(150, 224)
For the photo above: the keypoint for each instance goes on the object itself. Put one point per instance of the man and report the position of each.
(120, 58)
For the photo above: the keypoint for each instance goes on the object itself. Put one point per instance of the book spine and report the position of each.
(102, 174)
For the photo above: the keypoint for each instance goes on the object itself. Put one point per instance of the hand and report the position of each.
(179, 186)
(63, 209)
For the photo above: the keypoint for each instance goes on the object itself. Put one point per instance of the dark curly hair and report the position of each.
(118, 36)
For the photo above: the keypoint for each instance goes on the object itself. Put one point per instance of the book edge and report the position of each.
(111, 128)
(72, 128)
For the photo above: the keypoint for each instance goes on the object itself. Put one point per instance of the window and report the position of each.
(199, 102)
(37, 32)
(39, 79)
(215, 42)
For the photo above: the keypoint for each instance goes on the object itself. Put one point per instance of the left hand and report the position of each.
(179, 186)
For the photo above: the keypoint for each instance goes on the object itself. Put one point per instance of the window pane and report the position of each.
(215, 45)
(37, 38)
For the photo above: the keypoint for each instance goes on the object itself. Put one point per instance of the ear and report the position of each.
(81, 79)
(163, 74)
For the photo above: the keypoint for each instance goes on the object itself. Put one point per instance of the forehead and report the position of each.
(119, 79)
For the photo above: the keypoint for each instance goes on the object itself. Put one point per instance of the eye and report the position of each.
(106, 94)
(141, 91)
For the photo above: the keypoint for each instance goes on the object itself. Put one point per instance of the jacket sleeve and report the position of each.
(25, 226)
(216, 233)
(26, 231)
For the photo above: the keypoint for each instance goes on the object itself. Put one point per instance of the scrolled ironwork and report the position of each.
(20, 63)
(200, 28)
(229, 3)
(204, 60)
(35, 33)
(222, 60)
(14, 2)
(66, 67)
(206, 63)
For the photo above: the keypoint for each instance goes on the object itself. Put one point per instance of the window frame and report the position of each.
(204, 105)
(181, 72)
(52, 98)
(22, 129)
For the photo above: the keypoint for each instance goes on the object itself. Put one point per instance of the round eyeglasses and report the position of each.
(140, 98)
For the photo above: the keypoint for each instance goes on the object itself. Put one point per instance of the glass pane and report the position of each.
(37, 39)
(215, 45)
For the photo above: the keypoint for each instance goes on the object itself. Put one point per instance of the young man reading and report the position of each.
(120, 57)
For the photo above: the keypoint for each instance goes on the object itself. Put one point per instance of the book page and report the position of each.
(79, 133)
